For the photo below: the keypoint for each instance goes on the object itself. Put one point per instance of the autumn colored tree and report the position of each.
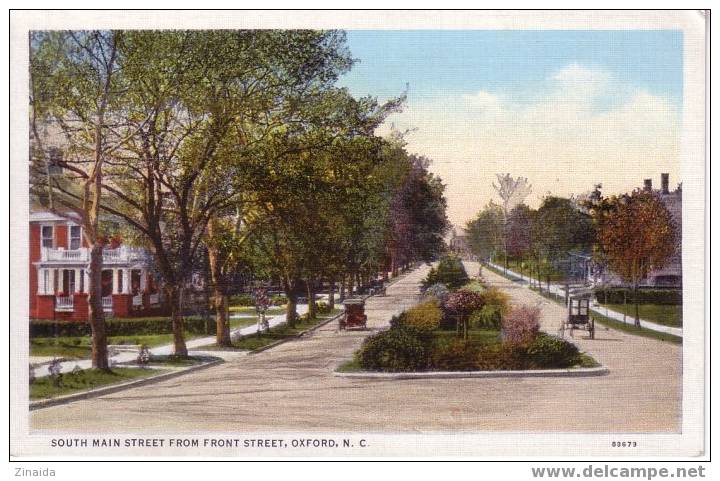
(462, 304)
(636, 234)
(512, 191)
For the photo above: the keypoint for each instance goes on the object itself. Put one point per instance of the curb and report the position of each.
(581, 372)
(296, 336)
(101, 391)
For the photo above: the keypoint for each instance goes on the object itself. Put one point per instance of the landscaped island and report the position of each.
(468, 328)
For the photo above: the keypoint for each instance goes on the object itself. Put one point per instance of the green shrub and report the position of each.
(116, 327)
(399, 349)
(496, 298)
(323, 308)
(423, 317)
(278, 299)
(502, 357)
(552, 352)
(668, 297)
(449, 271)
(456, 355)
(487, 317)
(244, 300)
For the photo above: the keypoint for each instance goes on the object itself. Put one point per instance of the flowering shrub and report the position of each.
(521, 325)
(423, 317)
(438, 291)
(461, 305)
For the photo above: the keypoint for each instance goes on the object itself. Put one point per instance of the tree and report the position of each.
(636, 235)
(78, 96)
(561, 228)
(485, 232)
(512, 191)
(462, 304)
(519, 232)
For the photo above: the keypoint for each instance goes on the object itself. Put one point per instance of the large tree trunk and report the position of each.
(331, 295)
(222, 323)
(96, 314)
(174, 294)
(312, 307)
(291, 307)
(342, 289)
(220, 300)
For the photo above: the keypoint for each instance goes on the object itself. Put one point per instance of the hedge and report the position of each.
(118, 327)
(669, 297)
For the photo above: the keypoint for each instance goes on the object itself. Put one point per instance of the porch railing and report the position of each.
(63, 303)
(137, 300)
(154, 299)
(107, 303)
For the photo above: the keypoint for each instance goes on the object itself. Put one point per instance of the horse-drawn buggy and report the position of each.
(578, 316)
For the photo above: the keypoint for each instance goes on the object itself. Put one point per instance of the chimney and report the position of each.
(665, 179)
(648, 185)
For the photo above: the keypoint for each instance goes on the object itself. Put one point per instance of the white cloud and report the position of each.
(585, 128)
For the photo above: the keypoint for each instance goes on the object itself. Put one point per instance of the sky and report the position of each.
(566, 109)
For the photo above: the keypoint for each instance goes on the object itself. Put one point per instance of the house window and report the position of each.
(47, 236)
(75, 241)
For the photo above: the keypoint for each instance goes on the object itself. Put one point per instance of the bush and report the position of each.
(521, 325)
(243, 300)
(117, 327)
(323, 308)
(450, 271)
(399, 349)
(487, 317)
(496, 298)
(278, 299)
(456, 355)
(423, 317)
(437, 291)
(668, 297)
(552, 352)
(502, 357)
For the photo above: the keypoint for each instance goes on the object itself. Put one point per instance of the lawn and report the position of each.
(85, 380)
(667, 315)
(273, 311)
(278, 333)
(79, 347)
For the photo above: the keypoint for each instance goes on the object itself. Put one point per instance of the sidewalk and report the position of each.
(603, 311)
(167, 349)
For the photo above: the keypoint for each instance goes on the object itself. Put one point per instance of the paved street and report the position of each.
(291, 388)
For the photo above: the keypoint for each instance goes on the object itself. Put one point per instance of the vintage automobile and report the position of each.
(354, 317)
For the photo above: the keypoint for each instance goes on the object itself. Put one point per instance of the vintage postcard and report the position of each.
(338, 234)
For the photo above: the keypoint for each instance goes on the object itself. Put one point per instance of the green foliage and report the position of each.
(487, 317)
(395, 350)
(423, 317)
(244, 300)
(115, 327)
(450, 271)
(665, 297)
(456, 355)
(552, 352)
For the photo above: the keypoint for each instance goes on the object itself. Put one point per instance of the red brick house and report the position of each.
(59, 260)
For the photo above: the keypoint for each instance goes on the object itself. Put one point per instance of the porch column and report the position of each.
(42, 285)
(51, 282)
(116, 281)
(77, 280)
(86, 281)
(61, 280)
(126, 281)
(143, 280)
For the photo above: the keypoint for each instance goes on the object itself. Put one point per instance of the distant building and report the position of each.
(459, 244)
